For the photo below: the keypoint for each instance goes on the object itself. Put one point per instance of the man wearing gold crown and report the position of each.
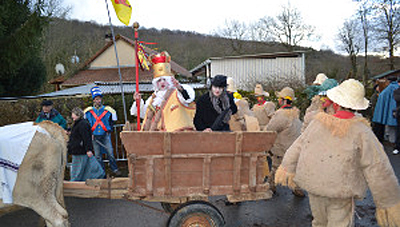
(171, 106)
(337, 158)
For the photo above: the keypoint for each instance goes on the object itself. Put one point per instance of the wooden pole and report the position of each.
(136, 27)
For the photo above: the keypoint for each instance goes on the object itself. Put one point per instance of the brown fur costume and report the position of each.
(287, 125)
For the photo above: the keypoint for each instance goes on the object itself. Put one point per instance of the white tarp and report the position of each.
(14, 142)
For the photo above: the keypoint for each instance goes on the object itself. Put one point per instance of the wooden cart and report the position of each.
(182, 169)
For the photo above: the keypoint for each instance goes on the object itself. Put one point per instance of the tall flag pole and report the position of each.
(136, 27)
(116, 53)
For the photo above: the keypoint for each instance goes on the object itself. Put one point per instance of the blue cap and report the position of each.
(95, 91)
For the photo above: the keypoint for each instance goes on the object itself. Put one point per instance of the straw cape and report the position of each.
(349, 94)
(343, 165)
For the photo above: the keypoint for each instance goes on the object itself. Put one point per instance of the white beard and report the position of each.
(159, 98)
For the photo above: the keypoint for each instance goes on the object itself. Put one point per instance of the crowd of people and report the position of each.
(333, 154)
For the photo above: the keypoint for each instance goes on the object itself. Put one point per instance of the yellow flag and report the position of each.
(123, 10)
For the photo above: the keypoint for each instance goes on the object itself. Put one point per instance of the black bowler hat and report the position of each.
(47, 103)
(219, 81)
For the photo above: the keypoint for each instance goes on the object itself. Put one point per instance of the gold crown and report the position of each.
(161, 64)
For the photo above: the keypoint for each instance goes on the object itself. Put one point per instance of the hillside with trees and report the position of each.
(29, 54)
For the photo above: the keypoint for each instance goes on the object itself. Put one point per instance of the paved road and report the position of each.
(283, 210)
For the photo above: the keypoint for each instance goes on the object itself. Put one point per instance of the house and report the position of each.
(103, 66)
(247, 70)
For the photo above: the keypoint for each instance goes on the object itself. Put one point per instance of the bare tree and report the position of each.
(364, 15)
(287, 28)
(236, 32)
(351, 41)
(388, 25)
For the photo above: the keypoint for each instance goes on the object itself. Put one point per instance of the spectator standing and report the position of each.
(50, 114)
(84, 164)
(383, 113)
(101, 119)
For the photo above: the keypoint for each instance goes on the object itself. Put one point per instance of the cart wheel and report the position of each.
(169, 207)
(196, 214)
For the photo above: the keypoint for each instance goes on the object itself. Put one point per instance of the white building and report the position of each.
(268, 68)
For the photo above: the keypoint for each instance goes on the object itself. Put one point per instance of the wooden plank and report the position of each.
(249, 196)
(167, 163)
(206, 175)
(253, 172)
(115, 183)
(149, 176)
(132, 171)
(95, 190)
(237, 166)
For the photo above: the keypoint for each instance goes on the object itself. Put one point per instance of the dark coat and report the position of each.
(206, 114)
(80, 140)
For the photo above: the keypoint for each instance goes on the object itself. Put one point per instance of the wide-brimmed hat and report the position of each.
(161, 64)
(231, 84)
(219, 81)
(320, 78)
(286, 93)
(349, 94)
(259, 91)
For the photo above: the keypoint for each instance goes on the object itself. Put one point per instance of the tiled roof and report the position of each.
(107, 75)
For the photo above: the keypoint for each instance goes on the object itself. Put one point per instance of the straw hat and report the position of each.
(285, 93)
(320, 78)
(259, 91)
(349, 94)
(231, 85)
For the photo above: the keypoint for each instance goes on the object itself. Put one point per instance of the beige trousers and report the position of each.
(328, 212)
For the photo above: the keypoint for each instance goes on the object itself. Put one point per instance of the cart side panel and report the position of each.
(143, 143)
(258, 141)
(181, 164)
(202, 143)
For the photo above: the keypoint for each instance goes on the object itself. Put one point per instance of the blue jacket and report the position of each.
(385, 105)
(107, 120)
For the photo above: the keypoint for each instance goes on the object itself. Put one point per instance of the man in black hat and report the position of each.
(50, 114)
(214, 109)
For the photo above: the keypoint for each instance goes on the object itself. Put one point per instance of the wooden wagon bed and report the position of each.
(172, 166)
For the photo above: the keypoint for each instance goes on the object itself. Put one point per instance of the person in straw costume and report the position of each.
(320, 78)
(287, 124)
(231, 89)
(171, 106)
(243, 119)
(263, 110)
(320, 103)
(339, 168)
